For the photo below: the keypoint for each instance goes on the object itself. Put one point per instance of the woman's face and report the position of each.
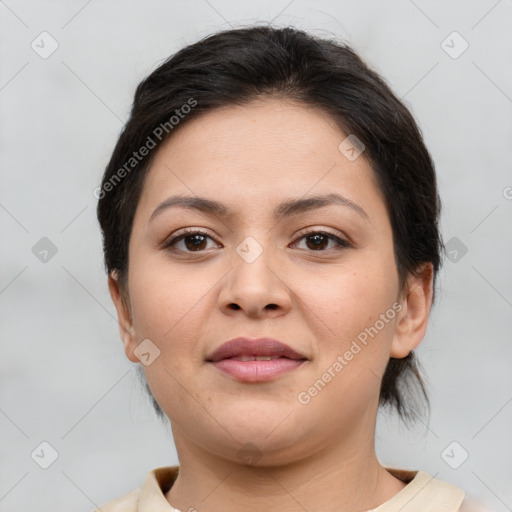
(254, 273)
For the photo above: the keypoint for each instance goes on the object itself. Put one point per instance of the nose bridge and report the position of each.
(254, 281)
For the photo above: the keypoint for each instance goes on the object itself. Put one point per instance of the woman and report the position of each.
(270, 222)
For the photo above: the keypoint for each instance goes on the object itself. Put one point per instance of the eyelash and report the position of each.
(342, 244)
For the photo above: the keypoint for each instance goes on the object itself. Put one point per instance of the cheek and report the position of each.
(168, 309)
(353, 342)
(348, 298)
(166, 300)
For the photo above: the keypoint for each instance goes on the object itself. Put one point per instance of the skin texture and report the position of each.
(314, 456)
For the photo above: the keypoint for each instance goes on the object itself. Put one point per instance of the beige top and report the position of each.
(423, 493)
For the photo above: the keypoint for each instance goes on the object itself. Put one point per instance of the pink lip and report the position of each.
(255, 371)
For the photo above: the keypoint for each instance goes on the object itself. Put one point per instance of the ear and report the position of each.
(124, 316)
(413, 318)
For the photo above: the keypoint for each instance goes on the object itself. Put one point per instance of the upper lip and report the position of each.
(253, 347)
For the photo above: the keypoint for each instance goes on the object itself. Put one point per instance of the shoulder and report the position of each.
(472, 505)
(423, 492)
(126, 503)
(427, 493)
(149, 497)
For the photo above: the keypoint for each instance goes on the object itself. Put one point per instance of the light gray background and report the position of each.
(64, 376)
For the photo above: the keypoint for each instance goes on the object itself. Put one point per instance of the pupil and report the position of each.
(199, 240)
(317, 240)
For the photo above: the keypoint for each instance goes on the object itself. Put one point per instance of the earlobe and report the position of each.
(126, 329)
(413, 319)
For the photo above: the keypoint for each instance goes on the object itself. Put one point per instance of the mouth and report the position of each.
(255, 360)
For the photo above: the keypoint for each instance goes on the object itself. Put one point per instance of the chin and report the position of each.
(264, 453)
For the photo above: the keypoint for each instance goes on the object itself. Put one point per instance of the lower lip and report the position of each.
(257, 371)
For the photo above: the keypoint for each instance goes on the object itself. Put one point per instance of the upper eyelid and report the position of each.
(188, 232)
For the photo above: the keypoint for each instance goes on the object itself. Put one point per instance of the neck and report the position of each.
(342, 477)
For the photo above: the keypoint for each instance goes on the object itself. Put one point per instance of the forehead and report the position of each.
(256, 155)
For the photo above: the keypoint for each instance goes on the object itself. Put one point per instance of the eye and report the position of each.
(318, 240)
(193, 241)
(196, 241)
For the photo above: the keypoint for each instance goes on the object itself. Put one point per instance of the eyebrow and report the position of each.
(282, 211)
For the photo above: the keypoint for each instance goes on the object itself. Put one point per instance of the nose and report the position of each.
(258, 288)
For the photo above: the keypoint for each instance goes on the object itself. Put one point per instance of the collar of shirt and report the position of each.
(423, 493)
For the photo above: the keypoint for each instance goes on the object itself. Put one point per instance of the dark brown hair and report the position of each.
(235, 66)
